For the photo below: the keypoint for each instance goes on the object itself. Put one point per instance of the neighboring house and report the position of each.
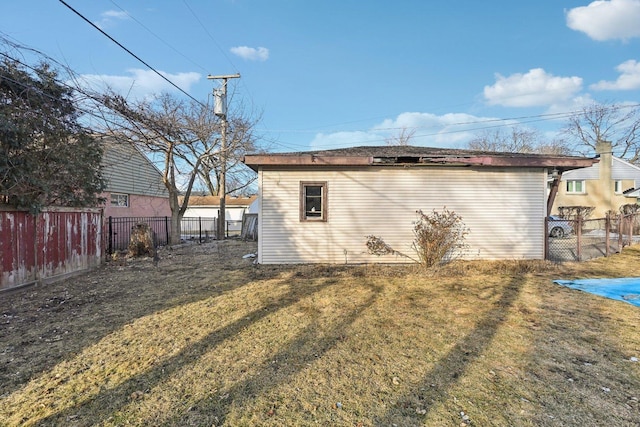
(606, 185)
(321, 206)
(209, 207)
(134, 183)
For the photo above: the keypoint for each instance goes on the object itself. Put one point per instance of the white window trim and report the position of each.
(617, 186)
(118, 205)
(573, 181)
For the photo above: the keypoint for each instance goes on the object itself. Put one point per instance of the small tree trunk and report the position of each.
(176, 227)
(176, 217)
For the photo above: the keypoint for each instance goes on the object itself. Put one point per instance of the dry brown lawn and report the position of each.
(208, 339)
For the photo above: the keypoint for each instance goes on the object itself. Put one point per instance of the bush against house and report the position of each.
(438, 238)
(46, 157)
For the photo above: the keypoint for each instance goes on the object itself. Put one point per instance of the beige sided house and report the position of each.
(320, 206)
(607, 185)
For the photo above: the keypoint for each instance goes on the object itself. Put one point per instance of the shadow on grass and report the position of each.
(587, 360)
(45, 325)
(310, 346)
(452, 366)
(313, 343)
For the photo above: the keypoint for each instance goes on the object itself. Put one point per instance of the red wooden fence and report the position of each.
(50, 245)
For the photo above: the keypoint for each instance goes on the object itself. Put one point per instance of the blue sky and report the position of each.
(329, 74)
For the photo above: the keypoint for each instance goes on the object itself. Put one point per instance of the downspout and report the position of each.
(557, 175)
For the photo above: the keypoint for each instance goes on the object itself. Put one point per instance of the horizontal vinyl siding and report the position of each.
(128, 171)
(620, 170)
(592, 172)
(503, 209)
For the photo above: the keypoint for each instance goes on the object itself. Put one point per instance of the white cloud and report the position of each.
(141, 83)
(629, 78)
(323, 141)
(606, 20)
(576, 103)
(251, 53)
(109, 17)
(448, 130)
(535, 88)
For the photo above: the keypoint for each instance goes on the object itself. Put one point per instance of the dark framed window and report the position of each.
(313, 201)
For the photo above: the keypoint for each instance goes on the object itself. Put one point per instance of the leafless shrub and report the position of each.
(142, 241)
(438, 238)
(573, 212)
(629, 209)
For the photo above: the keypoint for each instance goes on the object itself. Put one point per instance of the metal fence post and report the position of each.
(546, 236)
(620, 231)
(607, 225)
(110, 247)
(166, 227)
(579, 238)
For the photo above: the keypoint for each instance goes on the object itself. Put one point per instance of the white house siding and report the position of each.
(232, 213)
(620, 170)
(503, 208)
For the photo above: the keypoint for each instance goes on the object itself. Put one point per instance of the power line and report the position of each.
(158, 37)
(523, 120)
(210, 35)
(537, 117)
(131, 53)
(204, 28)
(45, 94)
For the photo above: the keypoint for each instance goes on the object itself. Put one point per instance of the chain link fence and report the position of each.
(584, 239)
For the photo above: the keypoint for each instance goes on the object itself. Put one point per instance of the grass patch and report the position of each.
(207, 338)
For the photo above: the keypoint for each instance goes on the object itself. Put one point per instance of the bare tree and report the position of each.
(517, 140)
(183, 137)
(618, 124)
(402, 138)
(239, 178)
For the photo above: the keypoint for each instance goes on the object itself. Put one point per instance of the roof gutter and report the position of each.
(564, 163)
(255, 161)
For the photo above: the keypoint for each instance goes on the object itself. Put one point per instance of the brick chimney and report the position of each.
(605, 152)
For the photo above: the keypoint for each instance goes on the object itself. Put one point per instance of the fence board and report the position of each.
(249, 226)
(48, 246)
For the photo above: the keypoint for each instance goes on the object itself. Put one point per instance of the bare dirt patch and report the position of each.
(207, 338)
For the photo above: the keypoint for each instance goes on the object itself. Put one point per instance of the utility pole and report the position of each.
(220, 110)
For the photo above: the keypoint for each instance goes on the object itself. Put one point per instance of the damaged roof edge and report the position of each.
(254, 161)
(502, 160)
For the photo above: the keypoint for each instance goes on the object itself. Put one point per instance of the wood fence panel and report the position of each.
(48, 246)
(17, 249)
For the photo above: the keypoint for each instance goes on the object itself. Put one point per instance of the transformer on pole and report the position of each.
(220, 110)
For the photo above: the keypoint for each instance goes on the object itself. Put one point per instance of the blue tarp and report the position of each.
(626, 289)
